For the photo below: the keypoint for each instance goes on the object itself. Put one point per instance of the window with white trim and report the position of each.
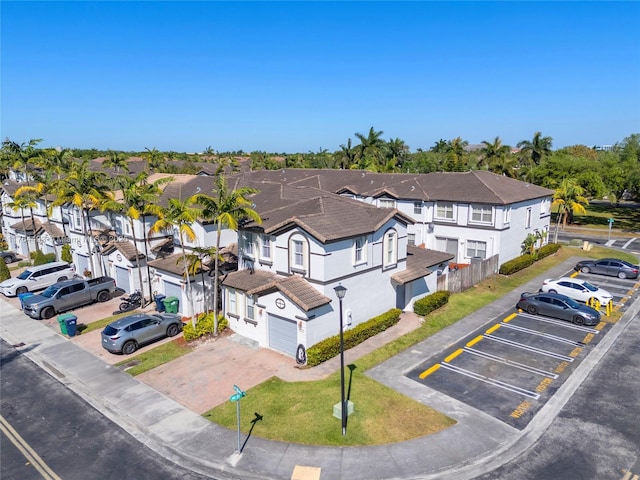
(386, 203)
(482, 214)
(411, 239)
(232, 303)
(265, 247)
(417, 208)
(544, 207)
(298, 254)
(476, 248)
(78, 219)
(390, 245)
(250, 310)
(507, 215)
(360, 252)
(248, 245)
(444, 210)
(528, 219)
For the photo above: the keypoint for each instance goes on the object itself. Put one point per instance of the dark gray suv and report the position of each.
(126, 334)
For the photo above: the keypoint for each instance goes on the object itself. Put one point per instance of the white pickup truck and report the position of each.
(67, 295)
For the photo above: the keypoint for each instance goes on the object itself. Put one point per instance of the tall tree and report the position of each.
(155, 159)
(138, 197)
(23, 155)
(538, 148)
(225, 208)
(85, 189)
(20, 204)
(181, 214)
(569, 199)
(371, 148)
(347, 155)
(117, 161)
(492, 150)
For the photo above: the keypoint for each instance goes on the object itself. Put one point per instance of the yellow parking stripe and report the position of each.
(474, 341)
(494, 328)
(429, 371)
(453, 355)
(574, 275)
(510, 317)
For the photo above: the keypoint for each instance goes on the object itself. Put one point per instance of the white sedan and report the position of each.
(577, 289)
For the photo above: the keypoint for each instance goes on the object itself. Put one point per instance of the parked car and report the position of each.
(577, 289)
(67, 295)
(126, 334)
(559, 306)
(37, 278)
(8, 257)
(608, 266)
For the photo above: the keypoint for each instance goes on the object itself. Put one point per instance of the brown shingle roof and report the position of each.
(419, 263)
(172, 264)
(126, 248)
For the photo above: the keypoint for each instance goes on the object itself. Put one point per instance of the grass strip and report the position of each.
(156, 356)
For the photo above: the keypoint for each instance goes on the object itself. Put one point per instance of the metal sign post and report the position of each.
(236, 398)
(610, 225)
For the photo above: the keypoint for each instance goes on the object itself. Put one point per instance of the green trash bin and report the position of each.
(171, 304)
(62, 321)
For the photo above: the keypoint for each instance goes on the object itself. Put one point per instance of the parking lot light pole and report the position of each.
(340, 292)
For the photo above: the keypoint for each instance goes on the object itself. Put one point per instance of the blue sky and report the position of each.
(300, 76)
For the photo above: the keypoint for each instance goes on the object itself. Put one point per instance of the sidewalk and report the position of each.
(476, 444)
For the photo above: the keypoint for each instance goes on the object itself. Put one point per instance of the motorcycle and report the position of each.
(131, 302)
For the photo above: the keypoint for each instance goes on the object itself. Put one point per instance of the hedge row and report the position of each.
(330, 347)
(40, 258)
(426, 305)
(204, 326)
(526, 260)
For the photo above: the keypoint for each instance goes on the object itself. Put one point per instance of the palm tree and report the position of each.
(180, 214)
(495, 150)
(22, 154)
(347, 155)
(371, 147)
(538, 148)
(57, 162)
(397, 149)
(28, 198)
(568, 198)
(138, 198)
(116, 161)
(155, 159)
(200, 258)
(226, 208)
(86, 190)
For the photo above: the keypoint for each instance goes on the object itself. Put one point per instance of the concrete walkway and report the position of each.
(165, 415)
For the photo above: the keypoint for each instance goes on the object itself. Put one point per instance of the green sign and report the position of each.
(610, 220)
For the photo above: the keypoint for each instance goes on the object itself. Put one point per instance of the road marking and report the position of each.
(33, 458)
(474, 341)
(494, 328)
(453, 355)
(564, 324)
(547, 336)
(429, 371)
(510, 317)
(530, 348)
(511, 363)
(629, 242)
(629, 475)
(490, 381)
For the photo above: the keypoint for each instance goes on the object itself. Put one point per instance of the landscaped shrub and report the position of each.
(330, 347)
(516, 264)
(548, 249)
(66, 255)
(204, 326)
(40, 258)
(4, 271)
(426, 305)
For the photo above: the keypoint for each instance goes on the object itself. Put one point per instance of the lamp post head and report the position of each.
(340, 291)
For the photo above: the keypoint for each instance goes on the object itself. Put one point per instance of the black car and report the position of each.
(8, 257)
(559, 306)
(608, 266)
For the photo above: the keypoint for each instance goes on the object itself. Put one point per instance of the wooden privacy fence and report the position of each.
(466, 276)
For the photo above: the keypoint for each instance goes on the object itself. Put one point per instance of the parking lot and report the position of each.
(512, 366)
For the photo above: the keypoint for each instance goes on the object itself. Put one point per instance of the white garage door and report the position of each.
(122, 279)
(82, 264)
(283, 335)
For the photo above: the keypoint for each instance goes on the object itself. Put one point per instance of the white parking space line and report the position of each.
(529, 348)
(560, 323)
(490, 381)
(629, 242)
(547, 336)
(511, 363)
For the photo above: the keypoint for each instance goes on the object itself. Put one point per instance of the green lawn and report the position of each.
(302, 412)
(625, 219)
(156, 356)
(100, 324)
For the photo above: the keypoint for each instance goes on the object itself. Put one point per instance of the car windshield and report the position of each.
(572, 303)
(627, 263)
(589, 287)
(24, 275)
(50, 292)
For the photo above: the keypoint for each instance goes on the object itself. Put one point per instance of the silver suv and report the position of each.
(126, 334)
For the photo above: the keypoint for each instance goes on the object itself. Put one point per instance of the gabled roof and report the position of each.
(296, 288)
(126, 248)
(419, 264)
(171, 263)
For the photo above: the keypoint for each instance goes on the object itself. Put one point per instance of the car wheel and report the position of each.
(62, 278)
(173, 330)
(578, 320)
(103, 296)
(622, 275)
(129, 347)
(532, 310)
(553, 291)
(20, 290)
(8, 260)
(585, 270)
(47, 313)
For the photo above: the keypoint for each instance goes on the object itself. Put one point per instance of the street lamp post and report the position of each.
(340, 292)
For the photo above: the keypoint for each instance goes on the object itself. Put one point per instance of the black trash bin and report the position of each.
(159, 302)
